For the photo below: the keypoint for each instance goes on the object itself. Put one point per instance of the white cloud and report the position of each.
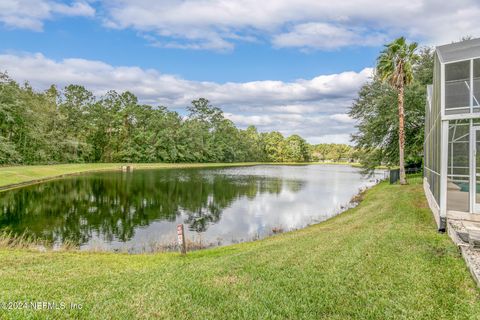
(331, 138)
(313, 24)
(310, 107)
(30, 14)
(155, 87)
(75, 9)
(306, 24)
(325, 36)
(253, 120)
(315, 127)
(342, 117)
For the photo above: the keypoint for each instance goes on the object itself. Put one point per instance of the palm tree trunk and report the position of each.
(401, 135)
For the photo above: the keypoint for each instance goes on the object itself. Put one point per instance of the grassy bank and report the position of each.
(23, 174)
(381, 260)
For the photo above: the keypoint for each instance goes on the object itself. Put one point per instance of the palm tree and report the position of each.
(395, 67)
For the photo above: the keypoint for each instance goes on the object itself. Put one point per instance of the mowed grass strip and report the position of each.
(381, 260)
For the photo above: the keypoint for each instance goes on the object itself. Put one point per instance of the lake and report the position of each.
(138, 211)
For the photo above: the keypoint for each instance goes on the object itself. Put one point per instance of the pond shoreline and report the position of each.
(16, 177)
(268, 184)
(105, 167)
(24, 242)
(375, 245)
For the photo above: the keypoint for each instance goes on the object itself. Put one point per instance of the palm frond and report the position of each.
(396, 61)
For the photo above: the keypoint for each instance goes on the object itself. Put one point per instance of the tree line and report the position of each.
(335, 152)
(72, 125)
(390, 109)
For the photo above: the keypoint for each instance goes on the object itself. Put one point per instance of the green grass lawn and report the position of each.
(381, 260)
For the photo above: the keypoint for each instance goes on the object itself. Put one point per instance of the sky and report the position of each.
(290, 66)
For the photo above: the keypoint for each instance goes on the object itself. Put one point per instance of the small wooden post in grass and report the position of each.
(181, 239)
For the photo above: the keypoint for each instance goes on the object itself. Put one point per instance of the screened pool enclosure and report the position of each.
(452, 133)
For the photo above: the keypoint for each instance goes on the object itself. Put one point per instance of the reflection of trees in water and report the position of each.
(112, 205)
(294, 185)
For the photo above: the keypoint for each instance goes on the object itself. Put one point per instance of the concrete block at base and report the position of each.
(127, 168)
(473, 230)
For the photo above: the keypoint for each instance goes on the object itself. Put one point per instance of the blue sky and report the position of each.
(291, 66)
(87, 38)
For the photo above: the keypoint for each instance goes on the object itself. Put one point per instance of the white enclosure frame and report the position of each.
(439, 118)
(474, 206)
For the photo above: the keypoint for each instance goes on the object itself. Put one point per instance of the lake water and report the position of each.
(139, 211)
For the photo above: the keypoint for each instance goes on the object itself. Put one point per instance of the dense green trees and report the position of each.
(72, 125)
(333, 152)
(395, 67)
(376, 113)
